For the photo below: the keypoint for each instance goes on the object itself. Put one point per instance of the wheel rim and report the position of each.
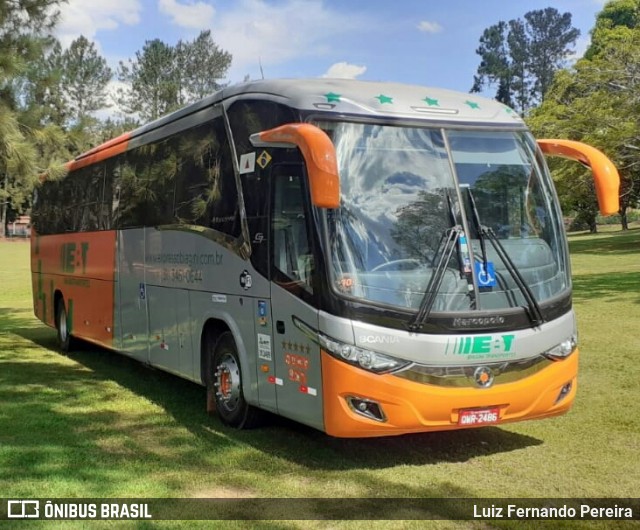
(227, 383)
(62, 324)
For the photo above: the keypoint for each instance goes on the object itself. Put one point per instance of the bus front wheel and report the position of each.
(62, 326)
(226, 381)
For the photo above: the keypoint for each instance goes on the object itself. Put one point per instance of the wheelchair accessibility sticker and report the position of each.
(486, 278)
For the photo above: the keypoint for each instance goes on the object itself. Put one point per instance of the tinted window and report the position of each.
(247, 117)
(73, 204)
(187, 178)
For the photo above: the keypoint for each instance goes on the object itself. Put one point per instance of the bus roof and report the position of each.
(347, 96)
(381, 99)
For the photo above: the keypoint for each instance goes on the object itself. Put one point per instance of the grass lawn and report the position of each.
(96, 424)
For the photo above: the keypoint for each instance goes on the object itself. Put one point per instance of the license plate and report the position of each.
(479, 416)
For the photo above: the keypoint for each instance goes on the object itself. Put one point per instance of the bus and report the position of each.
(365, 258)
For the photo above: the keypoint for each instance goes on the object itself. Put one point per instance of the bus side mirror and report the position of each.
(604, 172)
(319, 155)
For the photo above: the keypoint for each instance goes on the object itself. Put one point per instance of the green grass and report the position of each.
(96, 424)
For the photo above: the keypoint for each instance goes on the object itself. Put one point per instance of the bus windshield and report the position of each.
(404, 190)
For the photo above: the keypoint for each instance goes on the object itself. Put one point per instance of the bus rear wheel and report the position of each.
(226, 381)
(62, 326)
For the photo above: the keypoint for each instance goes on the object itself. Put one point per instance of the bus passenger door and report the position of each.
(297, 357)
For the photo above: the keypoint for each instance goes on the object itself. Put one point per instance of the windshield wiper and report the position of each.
(533, 308)
(452, 220)
(453, 239)
(475, 216)
(450, 238)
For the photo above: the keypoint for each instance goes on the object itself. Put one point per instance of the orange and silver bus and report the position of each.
(365, 258)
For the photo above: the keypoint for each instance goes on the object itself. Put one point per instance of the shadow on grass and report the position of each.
(58, 427)
(607, 286)
(282, 438)
(617, 243)
(17, 320)
(23, 324)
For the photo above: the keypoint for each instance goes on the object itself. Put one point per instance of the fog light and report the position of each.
(367, 408)
(563, 392)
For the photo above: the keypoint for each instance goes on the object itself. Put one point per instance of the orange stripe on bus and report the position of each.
(102, 152)
(123, 138)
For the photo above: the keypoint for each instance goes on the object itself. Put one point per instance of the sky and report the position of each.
(423, 42)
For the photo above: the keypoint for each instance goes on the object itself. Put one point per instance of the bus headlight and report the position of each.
(562, 350)
(367, 359)
(372, 361)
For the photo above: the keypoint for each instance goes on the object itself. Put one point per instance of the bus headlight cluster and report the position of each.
(367, 359)
(562, 350)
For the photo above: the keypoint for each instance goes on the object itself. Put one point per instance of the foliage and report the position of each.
(597, 102)
(85, 75)
(615, 22)
(202, 64)
(522, 56)
(162, 78)
(49, 95)
(151, 90)
(39, 88)
(64, 87)
(23, 28)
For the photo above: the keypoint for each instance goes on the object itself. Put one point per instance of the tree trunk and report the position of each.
(3, 209)
(624, 221)
(593, 227)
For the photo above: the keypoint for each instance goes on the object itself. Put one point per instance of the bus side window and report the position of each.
(292, 254)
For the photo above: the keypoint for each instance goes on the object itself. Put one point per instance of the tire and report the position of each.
(65, 340)
(225, 382)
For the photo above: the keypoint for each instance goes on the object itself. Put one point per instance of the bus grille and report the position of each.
(463, 376)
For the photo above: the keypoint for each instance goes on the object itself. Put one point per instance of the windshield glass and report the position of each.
(515, 200)
(403, 189)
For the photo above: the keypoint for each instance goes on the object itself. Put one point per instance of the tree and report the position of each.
(205, 66)
(39, 88)
(522, 56)
(84, 78)
(24, 25)
(495, 67)
(519, 57)
(550, 38)
(597, 102)
(616, 21)
(163, 78)
(152, 89)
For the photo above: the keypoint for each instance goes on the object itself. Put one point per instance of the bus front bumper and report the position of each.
(411, 407)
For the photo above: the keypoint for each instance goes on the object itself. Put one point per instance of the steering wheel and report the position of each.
(393, 264)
